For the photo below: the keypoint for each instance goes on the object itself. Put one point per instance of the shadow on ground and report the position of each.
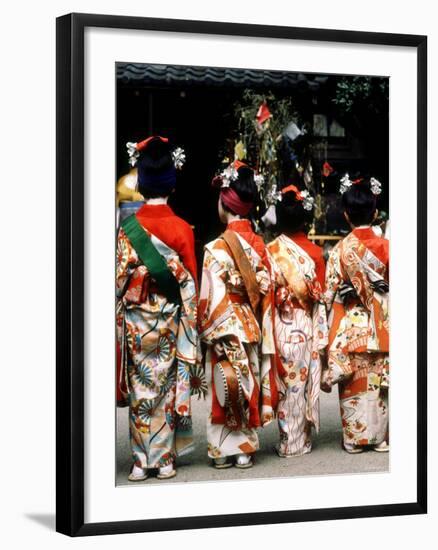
(46, 520)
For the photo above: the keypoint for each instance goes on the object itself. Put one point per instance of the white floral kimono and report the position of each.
(301, 335)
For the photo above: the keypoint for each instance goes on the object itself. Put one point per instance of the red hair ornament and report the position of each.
(270, 216)
(229, 197)
(346, 183)
(303, 196)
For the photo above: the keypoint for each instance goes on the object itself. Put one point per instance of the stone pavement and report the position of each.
(327, 456)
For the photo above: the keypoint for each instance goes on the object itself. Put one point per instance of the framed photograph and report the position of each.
(230, 347)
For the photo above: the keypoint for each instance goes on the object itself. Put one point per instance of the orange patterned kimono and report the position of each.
(357, 287)
(229, 328)
(301, 334)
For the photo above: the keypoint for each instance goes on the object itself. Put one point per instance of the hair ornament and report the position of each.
(308, 200)
(273, 195)
(228, 175)
(179, 157)
(376, 186)
(346, 183)
(134, 149)
(223, 180)
(304, 196)
(133, 153)
(259, 180)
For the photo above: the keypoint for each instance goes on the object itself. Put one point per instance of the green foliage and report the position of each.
(359, 91)
(262, 144)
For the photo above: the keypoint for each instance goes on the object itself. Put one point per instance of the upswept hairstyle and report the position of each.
(360, 203)
(244, 186)
(153, 161)
(291, 215)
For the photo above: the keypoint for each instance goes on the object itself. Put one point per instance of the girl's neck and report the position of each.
(157, 200)
(233, 218)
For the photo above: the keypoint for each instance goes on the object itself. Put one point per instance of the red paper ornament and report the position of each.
(263, 114)
(327, 169)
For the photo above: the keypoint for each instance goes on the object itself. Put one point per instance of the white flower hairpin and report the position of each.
(376, 186)
(133, 152)
(346, 183)
(178, 154)
(228, 175)
(259, 180)
(308, 200)
(273, 195)
(179, 157)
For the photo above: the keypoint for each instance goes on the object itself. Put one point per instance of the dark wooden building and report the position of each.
(193, 106)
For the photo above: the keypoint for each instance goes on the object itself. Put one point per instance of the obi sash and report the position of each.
(245, 268)
(152, 259)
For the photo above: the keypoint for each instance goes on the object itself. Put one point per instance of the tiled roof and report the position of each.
(136, 73)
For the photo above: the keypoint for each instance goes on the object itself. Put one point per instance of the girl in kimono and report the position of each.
(235, 319)
(300, 322)
(357, 285)
(156, 317)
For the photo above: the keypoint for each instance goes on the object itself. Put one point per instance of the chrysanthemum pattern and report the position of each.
(161, 343)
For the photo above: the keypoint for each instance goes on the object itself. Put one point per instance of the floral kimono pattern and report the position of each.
(230, 329)
(357, 301)
(301, 334)
(158, 343)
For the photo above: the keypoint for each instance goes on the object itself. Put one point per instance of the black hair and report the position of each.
(244, 186)
(155, 159)
(359, 202)
(291, 215)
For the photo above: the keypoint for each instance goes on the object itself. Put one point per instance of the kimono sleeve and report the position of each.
(333, 277)
(187, 252)
(215, 307)
(320, 269)
(334, 304)
(132, 277)
(125, 263)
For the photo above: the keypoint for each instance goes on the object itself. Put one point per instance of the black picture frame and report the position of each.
(70, 272)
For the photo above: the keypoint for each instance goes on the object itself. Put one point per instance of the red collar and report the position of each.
(298, 236)
(155, 211)
(244, 228)
(240, 226)
(364, 232)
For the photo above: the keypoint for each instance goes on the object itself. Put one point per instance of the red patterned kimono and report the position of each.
(158, 340)
(357, 284)
(301, 334)
(230, 328)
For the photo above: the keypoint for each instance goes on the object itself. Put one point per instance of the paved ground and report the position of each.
(327, 457)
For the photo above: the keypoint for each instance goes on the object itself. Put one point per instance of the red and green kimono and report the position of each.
(357, 284)
(158, 339)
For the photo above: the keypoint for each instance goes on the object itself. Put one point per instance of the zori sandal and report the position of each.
(381, 447)
(166, 472)
(138, 474)
(243, 461)
(222, 463)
